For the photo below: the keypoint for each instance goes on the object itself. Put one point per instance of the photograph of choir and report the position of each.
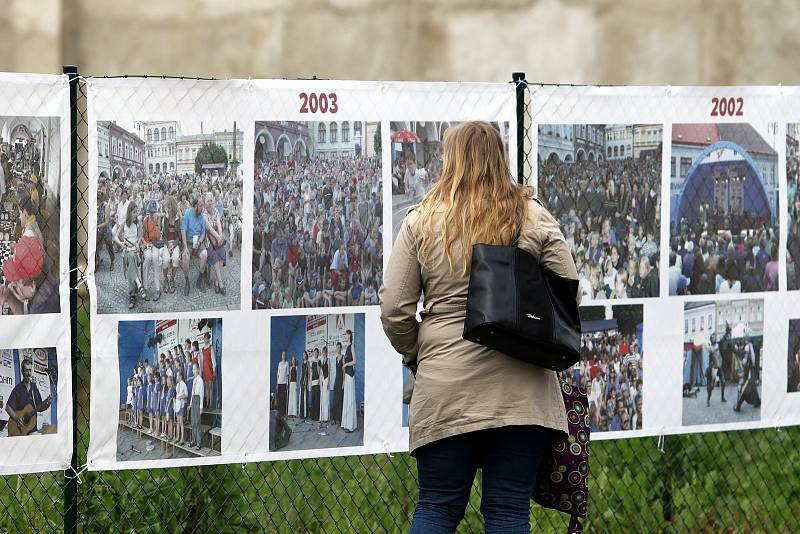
(724, 209)
(611, 366)
(316, 381)
(169, 218)
(603, 183)
(30, 180)
(28, 386)
(170, 396)
(416, 154)
(793, 361)
(318, 214)
(792, 182)
(722, 349)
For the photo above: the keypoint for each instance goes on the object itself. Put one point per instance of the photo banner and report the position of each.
(681, 208)
(241, 230)
(35, 379)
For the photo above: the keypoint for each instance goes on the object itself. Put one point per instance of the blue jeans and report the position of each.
(509, 457)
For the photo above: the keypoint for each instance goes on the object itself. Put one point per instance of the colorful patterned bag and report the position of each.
(563, 479)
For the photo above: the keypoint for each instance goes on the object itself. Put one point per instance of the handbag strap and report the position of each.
(574, 526)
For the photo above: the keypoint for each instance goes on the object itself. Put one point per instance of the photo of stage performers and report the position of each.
(722, 361)
(416, 153)
(723, 209)
(170, 394)
(30, 211)
(316, 381)
(603, 183)
(611, 366)
(169, 217)
(318, 214)
(793, 361)
(792, 182)
(28, 386)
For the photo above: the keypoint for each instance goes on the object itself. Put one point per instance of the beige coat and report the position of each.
(462, 386)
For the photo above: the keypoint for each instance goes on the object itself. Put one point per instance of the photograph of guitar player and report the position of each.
(24, 403)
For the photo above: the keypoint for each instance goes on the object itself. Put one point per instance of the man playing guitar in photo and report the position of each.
(24, 403)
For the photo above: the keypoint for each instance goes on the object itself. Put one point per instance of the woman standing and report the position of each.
(128, 238)
(209, 367)
(315, 385)
(338, 387)
(324, 394)
(472, 406)
(292, 410)
(349, 419)
(304, 385)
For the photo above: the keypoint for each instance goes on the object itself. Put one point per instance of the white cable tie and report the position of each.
(80, 281)
(387, 449)
(660, 442)
(77, 474)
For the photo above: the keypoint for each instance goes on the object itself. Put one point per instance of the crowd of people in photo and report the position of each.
(610, 369)
(174, 390)
(318, 232)
(25, 226)
(163, 224)
(609, 214)
(20, 170)
(793, 235)
(321, 388)
(710, 261)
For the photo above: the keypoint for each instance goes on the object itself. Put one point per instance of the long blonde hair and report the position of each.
(481, 201)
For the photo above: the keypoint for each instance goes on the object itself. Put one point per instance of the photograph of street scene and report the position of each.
(603, 184)
(169, 217)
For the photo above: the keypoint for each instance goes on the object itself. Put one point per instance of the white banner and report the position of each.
(675, 202)
(302, 186)
(35, 408)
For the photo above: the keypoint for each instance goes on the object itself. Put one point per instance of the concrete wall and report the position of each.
(589, 41)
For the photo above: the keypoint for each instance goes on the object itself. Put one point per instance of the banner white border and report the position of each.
(246, 332)
(41, 95)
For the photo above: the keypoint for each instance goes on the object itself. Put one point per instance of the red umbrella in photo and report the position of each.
(405, 136)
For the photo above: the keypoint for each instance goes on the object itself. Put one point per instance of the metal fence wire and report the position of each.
(743, 481)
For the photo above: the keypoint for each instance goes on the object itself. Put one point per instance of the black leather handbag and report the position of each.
(519, 308)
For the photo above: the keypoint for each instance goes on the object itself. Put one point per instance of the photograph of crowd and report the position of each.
(30, 211)
(169, 217)
(316, 396)
(28, 386)
(611, 366)
(793, 360)
(723, 209)
(416, 153)
(170, 391)
(603, 183)
(722, 349)
(318, 214)
(792, 182)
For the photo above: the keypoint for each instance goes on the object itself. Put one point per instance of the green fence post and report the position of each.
(519, 81)
(70, 476)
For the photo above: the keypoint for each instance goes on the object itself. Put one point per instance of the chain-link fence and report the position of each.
(717, 482)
